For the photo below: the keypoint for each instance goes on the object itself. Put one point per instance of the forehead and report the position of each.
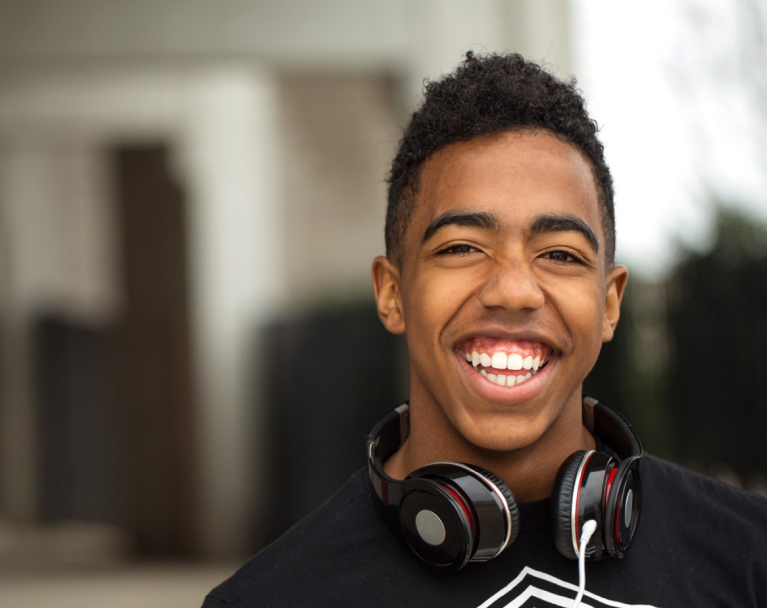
(517, 176)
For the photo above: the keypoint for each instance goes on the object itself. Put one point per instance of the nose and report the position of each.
(513, 287)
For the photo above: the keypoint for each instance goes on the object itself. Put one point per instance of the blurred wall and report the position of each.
(280, 118)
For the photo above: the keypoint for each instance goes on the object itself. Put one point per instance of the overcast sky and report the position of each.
(668, 84)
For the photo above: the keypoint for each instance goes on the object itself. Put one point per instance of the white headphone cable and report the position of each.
(586, 533)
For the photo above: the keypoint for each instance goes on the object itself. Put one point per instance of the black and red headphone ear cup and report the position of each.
(562, 503)
(508, 496)
(623, 507)
(437, 522)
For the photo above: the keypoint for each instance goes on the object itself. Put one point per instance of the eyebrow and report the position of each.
(541, 224)
(564, 223)
(473, 219)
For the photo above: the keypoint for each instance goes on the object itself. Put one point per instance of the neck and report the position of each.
(529, 470)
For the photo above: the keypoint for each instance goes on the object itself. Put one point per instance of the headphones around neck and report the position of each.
(451, 513)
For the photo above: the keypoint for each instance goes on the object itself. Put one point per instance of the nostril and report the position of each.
(512, 289)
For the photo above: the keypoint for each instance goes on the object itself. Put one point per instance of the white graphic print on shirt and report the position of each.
(533, 589)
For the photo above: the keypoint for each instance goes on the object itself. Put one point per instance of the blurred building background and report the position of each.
(191, 194)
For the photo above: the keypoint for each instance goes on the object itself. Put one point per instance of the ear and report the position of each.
(386, 278)
(616, 284)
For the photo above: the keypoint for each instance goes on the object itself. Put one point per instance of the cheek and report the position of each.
(433, 301)
(419, 302)
(431, 297)
(582, 309)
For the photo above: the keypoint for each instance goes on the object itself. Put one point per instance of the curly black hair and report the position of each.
(491, 94)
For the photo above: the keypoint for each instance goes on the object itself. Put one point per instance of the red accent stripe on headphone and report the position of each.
(610, 478)
(463, 506)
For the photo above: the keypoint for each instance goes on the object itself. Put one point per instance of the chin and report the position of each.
(499, 434)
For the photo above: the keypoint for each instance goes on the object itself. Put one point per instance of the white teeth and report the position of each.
(500, 379)
(499, 360)
(503, 380)
(518, 379)
(515, 361)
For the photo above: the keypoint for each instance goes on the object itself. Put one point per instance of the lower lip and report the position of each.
(507, 395)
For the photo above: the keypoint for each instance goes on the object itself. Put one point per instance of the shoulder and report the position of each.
(670, 481)
(697, 538)
(685, 503)
(329, 542)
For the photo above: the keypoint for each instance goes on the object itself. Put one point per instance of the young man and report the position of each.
(500, 272)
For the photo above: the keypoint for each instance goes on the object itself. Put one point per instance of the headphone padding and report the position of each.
(507, 494)
(562, 504)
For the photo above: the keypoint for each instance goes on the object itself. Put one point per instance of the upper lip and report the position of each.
(504, 333)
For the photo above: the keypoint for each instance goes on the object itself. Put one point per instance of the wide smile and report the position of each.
(506, 363)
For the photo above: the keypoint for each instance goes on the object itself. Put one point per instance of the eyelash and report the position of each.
(464, 249)
(454, 249)
(573, 259)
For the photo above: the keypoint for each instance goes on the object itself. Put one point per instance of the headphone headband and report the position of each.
(384, 439)
(612, 428)
(390, 433)
(453, 513)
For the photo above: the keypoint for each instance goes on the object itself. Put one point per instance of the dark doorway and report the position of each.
(114, 401)
(153, 361)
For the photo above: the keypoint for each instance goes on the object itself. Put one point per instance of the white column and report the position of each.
(229, 154)
(18, 437)
(441, 31)
(56, 254)
(542, 31)
(30, 178)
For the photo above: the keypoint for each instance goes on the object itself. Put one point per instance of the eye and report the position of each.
(458, 249)
(563, 256)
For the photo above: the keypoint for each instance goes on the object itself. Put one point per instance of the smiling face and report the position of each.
(503, 293)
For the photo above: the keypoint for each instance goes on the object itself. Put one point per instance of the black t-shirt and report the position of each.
(699, 543)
